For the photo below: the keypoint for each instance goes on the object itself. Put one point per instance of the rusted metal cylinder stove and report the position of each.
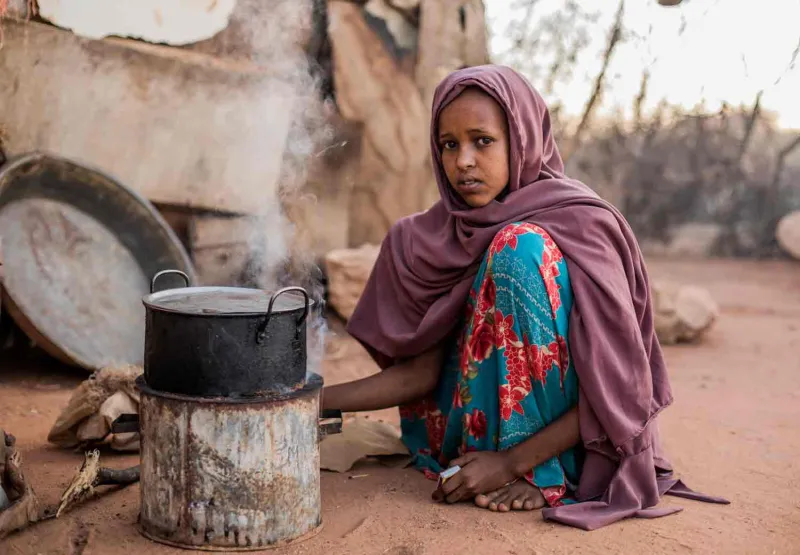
(238, 471)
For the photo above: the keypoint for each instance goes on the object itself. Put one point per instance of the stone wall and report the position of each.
(230, 115)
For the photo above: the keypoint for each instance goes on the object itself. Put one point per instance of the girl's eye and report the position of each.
(449, 145)
(485, 141)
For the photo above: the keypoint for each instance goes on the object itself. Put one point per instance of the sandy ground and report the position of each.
(733, 431)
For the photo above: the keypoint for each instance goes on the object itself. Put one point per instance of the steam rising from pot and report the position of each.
(274, 260)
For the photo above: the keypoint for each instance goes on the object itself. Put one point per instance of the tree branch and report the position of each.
(588, 111)
(640, 98)
(780, 162)
(748, 130)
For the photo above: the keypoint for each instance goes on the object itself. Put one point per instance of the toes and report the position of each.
(502, 504)
(521, 496)
(485, 500)
(517, 497)
(524, 500)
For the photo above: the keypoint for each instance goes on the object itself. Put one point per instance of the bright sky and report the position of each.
(730, 50)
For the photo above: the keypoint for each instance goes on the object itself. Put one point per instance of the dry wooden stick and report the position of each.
(92, 475)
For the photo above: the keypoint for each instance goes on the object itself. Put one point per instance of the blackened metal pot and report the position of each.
(225, 341)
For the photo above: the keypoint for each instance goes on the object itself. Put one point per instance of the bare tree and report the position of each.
(546, 48)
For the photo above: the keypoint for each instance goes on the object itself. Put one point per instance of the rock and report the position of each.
(683, 313)
(787, 233)
(694, 239)
(348, 271)
(394, 176)
(403, 32)
(452, 35)
(17, 9)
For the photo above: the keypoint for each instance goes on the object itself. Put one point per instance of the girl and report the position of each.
(513, 324)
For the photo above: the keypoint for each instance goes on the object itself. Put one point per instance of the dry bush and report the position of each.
(727, 168)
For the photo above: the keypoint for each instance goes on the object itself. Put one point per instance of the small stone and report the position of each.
(682, 313)
(787, 233)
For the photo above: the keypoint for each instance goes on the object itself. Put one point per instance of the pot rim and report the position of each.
(151, 301)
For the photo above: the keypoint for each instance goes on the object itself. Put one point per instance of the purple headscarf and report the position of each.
(427, 263)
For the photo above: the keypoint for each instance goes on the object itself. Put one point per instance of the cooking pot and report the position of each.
(225, 341)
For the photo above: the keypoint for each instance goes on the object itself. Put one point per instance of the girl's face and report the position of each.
(473, 140)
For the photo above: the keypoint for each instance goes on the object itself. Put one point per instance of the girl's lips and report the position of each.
(469, 185)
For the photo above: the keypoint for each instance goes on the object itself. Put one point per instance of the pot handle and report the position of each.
(330, 422)
(165, 272)
(262, 329)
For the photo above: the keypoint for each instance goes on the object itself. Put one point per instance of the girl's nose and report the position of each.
(466, 159)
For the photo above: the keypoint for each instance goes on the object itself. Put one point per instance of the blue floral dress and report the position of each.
(508, 372)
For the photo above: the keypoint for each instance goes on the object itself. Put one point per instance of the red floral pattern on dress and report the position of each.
(465, 363)
(505, 336)
(481, 343)
(549, 271)
(542, 358)
(418, 409)
(475, 423)
(481, 340)
(487, 298)
(517, 372)
(549, 245)
(487, 329)
(553, 495)
(507, 237)
(551, 256)
(510, 398)
(435, 424)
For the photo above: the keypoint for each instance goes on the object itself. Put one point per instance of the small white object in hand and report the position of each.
(448, 473)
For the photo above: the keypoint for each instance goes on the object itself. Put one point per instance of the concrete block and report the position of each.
(180, 127)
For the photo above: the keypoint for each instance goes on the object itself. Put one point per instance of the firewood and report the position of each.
(92, 475)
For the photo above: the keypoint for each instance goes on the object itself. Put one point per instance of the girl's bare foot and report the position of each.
(519, 496)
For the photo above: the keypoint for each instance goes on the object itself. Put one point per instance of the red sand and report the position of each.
(733, 431)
